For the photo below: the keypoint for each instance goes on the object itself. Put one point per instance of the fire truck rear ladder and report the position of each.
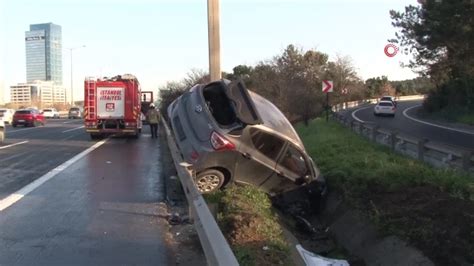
(91, 101)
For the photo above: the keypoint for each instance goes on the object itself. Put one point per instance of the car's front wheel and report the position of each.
(209, 181)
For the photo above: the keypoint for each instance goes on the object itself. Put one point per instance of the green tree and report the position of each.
(439, 35)
(376, 86)
(344, 76)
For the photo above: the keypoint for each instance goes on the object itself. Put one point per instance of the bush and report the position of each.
(455, 93)
(248, 222)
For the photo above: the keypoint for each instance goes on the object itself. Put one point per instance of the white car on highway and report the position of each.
(385, 108)
(7, 115)
(50, 113)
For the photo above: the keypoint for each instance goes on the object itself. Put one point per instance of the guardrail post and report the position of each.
(393, 140)
(352, 124)
(421, 149)
(466, 160)
(361, 129)
(374, 133)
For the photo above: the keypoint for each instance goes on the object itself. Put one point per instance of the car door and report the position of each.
(292, 169)
(259, 151)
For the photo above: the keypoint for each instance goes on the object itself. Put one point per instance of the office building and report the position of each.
(38, 93)
(43, 44)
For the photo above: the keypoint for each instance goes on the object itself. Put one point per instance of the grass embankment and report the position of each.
(251, 227)
(433, 209)
(453, 114)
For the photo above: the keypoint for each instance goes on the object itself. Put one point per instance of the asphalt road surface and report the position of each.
(453, 135)
(93, 203)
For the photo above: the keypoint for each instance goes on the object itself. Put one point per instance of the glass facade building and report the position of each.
(43, 44)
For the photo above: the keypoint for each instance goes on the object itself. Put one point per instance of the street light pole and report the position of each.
(72, 86)
(214, 39)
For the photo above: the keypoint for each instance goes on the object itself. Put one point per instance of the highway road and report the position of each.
(91, 202)
(408, 122)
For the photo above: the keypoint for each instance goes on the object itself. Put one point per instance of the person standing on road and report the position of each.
(153, 117)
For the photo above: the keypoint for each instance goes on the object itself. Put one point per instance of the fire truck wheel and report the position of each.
(95, 136)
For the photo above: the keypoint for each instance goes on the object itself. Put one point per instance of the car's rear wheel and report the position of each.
(209, 181)
(13, 125)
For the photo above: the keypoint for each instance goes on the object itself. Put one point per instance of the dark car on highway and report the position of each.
(231, 134)
(28, 117)
(389, 98)
(74, 112)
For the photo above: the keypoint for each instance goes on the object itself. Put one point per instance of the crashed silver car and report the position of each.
(231, 134)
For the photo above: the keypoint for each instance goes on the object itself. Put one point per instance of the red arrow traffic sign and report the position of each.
(327, 86)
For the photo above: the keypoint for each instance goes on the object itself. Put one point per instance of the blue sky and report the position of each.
(162, 40)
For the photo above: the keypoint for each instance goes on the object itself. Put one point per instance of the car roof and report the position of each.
(390, 102)
(274, 119)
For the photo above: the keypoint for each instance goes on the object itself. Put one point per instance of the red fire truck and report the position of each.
(112, 106)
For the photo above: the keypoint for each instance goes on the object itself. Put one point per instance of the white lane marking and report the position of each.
(18, 195)
(434, 125)
(14, 144)
(71, 121)
(13, 131)
(357, 110)
(76, 128)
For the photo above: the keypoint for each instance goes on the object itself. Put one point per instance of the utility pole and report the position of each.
(214, 39)
(72, 90)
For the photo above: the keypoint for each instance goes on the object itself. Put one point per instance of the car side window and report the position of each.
(268, 144)
(294, 161)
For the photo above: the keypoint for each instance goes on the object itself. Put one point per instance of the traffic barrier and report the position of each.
(347, 105)
(215, 246)
(436, 154)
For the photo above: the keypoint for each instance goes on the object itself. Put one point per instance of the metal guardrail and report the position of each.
(346, 105)
(436, 154)
(214, 244)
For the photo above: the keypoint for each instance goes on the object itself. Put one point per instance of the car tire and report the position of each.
(375, 114)
(13, 125)
(209, 181)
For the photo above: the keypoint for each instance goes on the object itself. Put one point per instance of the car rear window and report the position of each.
(269, 145)
(23, 112)
(74, 109)
(47, 110)
(386, 99)
(385, 104)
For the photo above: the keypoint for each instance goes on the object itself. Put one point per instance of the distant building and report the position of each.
(43, 44)
(43, 93)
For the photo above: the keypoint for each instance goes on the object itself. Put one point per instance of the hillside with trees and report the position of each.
(440, 36)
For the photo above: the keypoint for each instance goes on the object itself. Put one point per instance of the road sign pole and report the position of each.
(327, 88)
(327, 106)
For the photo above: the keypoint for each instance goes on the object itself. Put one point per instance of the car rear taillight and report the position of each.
(194, 155)
(220, 143)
